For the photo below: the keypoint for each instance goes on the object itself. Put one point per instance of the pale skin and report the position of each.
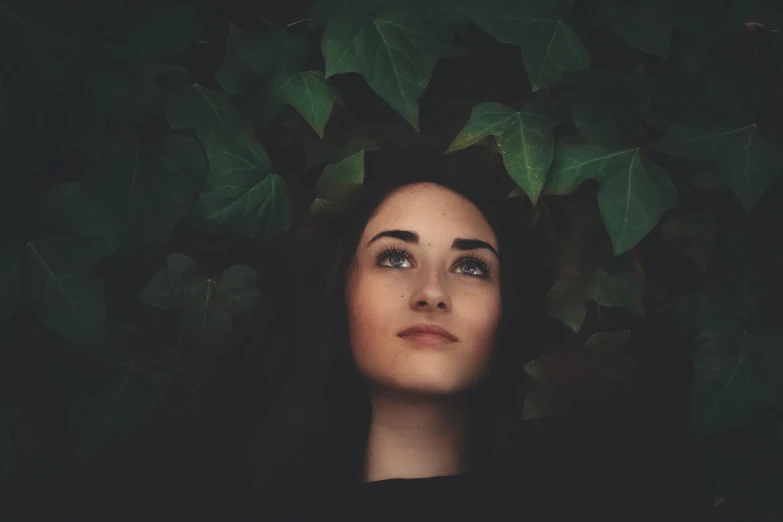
(418, 417)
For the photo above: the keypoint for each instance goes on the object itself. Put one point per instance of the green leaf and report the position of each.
(269, 64)
(337, 182)
(115, 414)
(601, 365)
(73, 233)
(524, 137)
(10, 281)
(617, 284)
(747, 163)
(633, 191)
(307, 92)
(151, 182)
(210, 302)
(644, 24)
(241, 196)
(394, 48)
(210, 113)
(166, 287)
(737, 375)
(692, 234)
(606, 108)
(549, 46)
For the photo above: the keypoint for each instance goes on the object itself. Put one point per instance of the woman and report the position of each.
(403, 386)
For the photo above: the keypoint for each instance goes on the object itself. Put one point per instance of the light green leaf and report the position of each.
(524, 138)
(10, 281)
(337, 182)
(549, 46)
(393, 47)
(633, 191)
(241, 196)
(747, 163)
(152, 182)
(165, 289)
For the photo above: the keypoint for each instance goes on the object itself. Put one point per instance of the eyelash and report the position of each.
(389, 250)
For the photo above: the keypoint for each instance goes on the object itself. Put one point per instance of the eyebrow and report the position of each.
(458, 244)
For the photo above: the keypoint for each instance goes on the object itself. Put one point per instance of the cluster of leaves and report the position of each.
(662, 150)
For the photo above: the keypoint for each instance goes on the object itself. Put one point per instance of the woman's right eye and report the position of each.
(396, 257)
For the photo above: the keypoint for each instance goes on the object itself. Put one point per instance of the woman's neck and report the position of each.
(415, 437)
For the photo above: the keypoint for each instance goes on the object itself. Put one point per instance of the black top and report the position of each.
(455, 498)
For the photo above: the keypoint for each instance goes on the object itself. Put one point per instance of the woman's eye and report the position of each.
(395, 258)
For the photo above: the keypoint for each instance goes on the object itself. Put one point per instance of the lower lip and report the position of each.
(426, 338)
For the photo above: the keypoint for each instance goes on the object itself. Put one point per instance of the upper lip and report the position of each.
(428, 328)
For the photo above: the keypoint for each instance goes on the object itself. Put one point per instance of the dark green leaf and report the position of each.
(73, 233)
(151, 182)
(747, 163)
(646, 25)
(212, 114)
(737, 374)
(165, 289)
(549, 46)
(692, 234)
(337, 181)
(242, 197)
(524, 138)
(113, 416)
(394, 48)
(633, 191)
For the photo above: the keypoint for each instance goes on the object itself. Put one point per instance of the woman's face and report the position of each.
(388, 291)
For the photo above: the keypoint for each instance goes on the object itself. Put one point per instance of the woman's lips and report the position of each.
(427, 338)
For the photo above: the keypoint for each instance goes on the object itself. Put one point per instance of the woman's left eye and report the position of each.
(397, 256)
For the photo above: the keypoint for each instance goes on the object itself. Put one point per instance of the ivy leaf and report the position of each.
(738, 367)
(600, 366)
(164, 291)
(73, 233)
(206, 324)
(633, 191)
(269, 64)
(242, 197)
(210, 113)
(748, 165)
(645, 25)
(10, 281)
(608, 109)
(692, 234)
(549, 46)
(617, 284)
(394, 47)
(337, 182)
(151, 182)
(587, 271)
(525, 139)
(115, 412)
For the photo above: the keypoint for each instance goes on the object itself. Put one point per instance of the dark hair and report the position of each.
(311, 441)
